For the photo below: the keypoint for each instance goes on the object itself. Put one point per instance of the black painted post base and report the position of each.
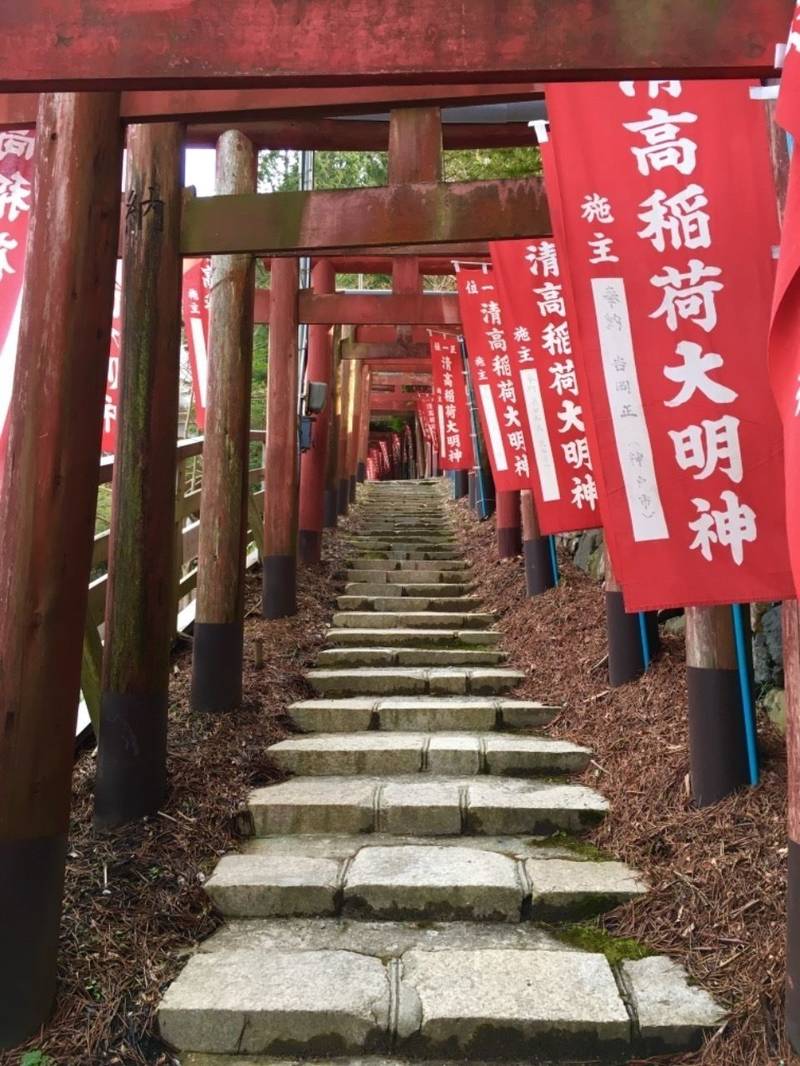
(344, 496)
(217, 663)
(792, 947)
(717, 744)
(279, 587)
(309, 546)
(509, 542)
(625, 661)
(538, 568)
(31, 888)
(131, 778)
(330, 509)
(361, 472)
(460, 484)
(352, 488)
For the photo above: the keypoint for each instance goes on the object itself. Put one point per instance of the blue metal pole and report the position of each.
(551, 544)
(743, 662)
(644, 637)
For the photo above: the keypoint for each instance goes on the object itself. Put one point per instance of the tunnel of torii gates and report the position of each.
(297, 74)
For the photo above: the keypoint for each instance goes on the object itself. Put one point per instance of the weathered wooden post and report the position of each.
(539, 576)
(624, 630)
(313, 462)
(330, 499)
(219, 622)
(361, 467)
(281, 460)
(717, 741)
(509, 534)
(47, 504)
(140, 604)
(355, 431)
(345, 395)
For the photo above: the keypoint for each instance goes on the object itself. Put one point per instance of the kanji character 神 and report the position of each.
(693, 375)
(571, 417)
(521, 467)
(679, 217)
(707, 445)
(731, 528)
(689, 295)
(596, 208)
(584, 492)
(664, 148)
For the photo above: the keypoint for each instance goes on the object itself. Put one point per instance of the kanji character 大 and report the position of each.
(731, 528)
(571, 417)
(707, 445)
(596, 208)
(511, 417)
(664, 148)
(680, 218)
(690, 295)
(693, 376)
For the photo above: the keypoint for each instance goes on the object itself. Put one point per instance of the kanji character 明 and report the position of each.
(490, 313)
(564, 379)
(679, 217)
(551, 301)
(516, 440)
(689, 295)
(14, 194)
(673, 88)
(556, 339)
(693, 376)
(600, 248)
(664, 148)
(576, 453)
(584, 491)
(571, 417)
(596, 208)
(7, 244)
(731, 528)
(707, 445)
(18, 143)
(543, 256)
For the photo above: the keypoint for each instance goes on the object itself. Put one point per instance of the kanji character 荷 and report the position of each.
(689, 295)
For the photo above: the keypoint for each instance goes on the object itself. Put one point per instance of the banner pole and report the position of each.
(743, 663)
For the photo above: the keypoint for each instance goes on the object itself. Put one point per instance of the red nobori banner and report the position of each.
(111, 408)
(16, 194)
(452, 405)
(501, 410)
(196, 297)
(427, 417)
(669, 220)
(543, 361)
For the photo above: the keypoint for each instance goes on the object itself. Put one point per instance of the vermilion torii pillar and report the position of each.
(330, 499)
(219, 622)
(281, 461)
(132, 758)
(49, 492)
(313, 462)
(343, 412)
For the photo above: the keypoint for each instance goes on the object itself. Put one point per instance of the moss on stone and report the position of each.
(589, 936)
(581, 848)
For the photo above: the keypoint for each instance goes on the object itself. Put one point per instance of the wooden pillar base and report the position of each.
(131, 778)
(279, 589)
(31, 887)
(717, 750)
(344, 496)
(361, 472)
(217, 664)
(471, 490)
(625, 661)
(509, 542)
(792, 947)
(309, 547)
(460, 484)
(330, 509)
(538, 568)
(352, 488)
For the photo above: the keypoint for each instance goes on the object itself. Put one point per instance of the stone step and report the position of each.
(407, 577)
(408, 603)
(407, 656)
(429, 806)
(414, 638)
(405, 681)
(412, 620)
(418, 714)
(442, 567)
(387, 753)
(394, 879)
(389, 554)
(415, 588)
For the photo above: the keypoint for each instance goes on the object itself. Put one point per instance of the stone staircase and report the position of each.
(399, 898)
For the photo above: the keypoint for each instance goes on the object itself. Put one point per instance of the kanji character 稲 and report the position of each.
(14, 193)
(7, 244)
(693, 375)
(673, 88)
(571, 417)
(680, 218)
(516, 440)
(544, 256)
(491, 314)
(501, 366)
(584, 491)
(576, 453)
(600, 248)
(511, 417)
(521, 334)
(521, 466)
(18, 143)
(664, 148)
(449, 394)
(596, 208)
(556, 339)
(564, 379)
(689, 295)
(497, 340)
(506, 390)
(552, 301)
(709, 444)
(731, 528)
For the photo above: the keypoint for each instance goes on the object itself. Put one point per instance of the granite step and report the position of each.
(380, 752)
(418, 714)
(405, 681)
(407, 577)
(409, 656)
(412, 620)
(406, 554)
(404, 588)
(413, 638)
(441, 567)
(408, 603)
(424, 806)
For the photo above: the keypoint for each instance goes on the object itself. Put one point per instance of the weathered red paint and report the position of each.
(344, 308)
(396, 350)
(117, 44)
(376, 264)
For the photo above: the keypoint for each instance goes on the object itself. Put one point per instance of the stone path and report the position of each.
(396, 897)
